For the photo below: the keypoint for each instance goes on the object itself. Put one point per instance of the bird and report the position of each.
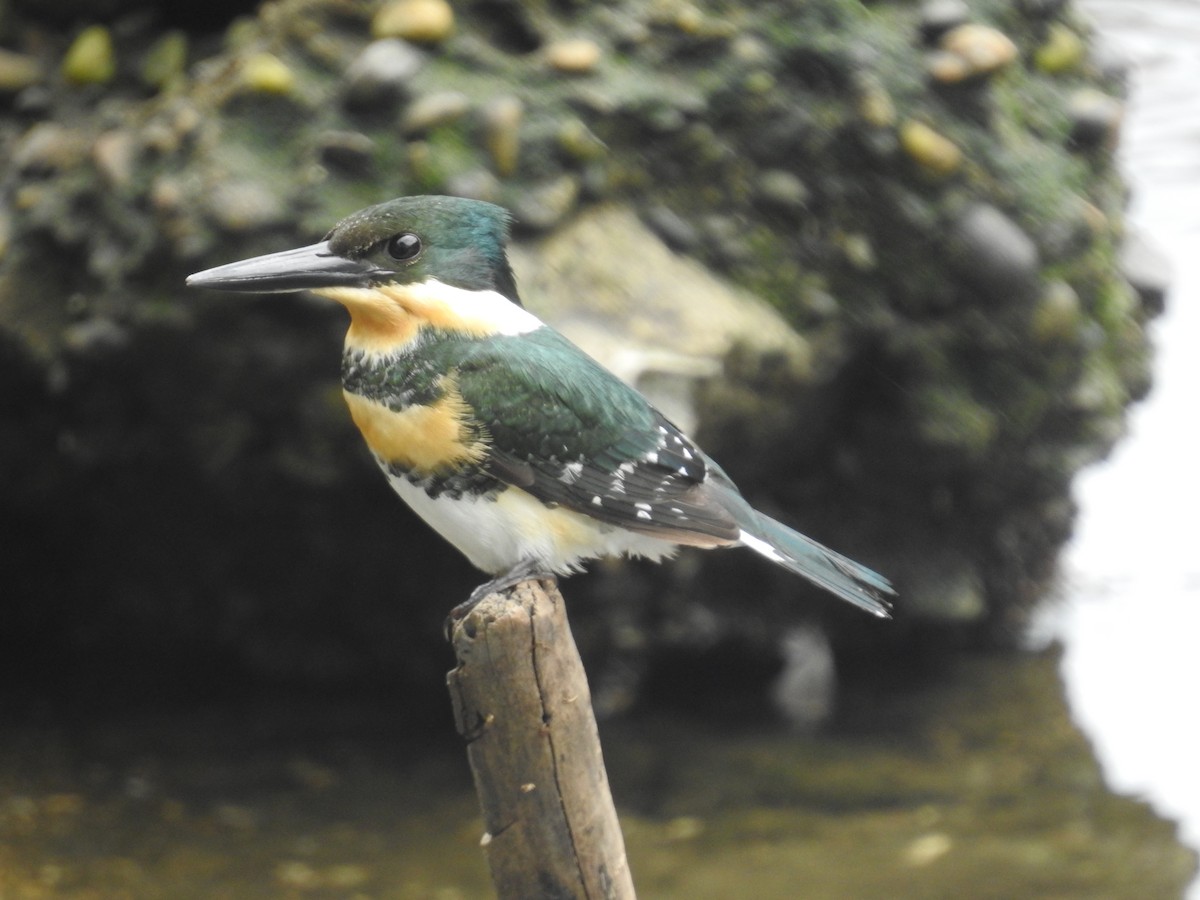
(512, 443)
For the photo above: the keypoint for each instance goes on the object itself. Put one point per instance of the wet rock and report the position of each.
(419, 21)
(1095, 120)
(933, 152)
(573, 57)
(434, 110)
(995, 254)
(91, 58)
(939, 16)
(1147, 269)
(971, 52)
(502, 133)
(380, 76)
(17, 71)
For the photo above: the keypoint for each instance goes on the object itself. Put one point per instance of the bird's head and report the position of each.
(410, 240)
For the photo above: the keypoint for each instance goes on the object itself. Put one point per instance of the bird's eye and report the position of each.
(404, 247)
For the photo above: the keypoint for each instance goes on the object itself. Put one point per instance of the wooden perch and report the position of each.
(522, 703)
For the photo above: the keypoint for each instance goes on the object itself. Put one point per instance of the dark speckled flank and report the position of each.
(396, 381)
(471, 481)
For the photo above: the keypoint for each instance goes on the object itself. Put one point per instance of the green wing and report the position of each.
(567, 431)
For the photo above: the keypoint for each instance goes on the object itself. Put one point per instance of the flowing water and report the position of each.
(1132, 612)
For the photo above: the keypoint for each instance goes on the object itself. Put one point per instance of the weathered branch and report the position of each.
(521, 701)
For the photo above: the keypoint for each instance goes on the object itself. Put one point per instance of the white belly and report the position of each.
(513, 527)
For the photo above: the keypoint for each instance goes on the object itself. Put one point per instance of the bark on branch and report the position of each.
(522, 703)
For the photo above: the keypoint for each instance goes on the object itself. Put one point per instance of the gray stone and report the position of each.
(1147, 269)
(939, 16)
(676, 231)
(1095, 119)
(434, 110)
(379, 78)
(544, 206)
(995, 254)
(782, 190)
(351, 152)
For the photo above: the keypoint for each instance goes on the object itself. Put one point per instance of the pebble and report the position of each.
(542, 207)
(266, 73)
(1095, 119)
(1062, 51)
(1058, 313)
(430, 111)
(379, 77)
(782, 190)
(91, 58)
(166, 60)
(502, 132)
(1147, 270)
(875, 106)
(579, 142)
(933, 152)
(996, 254)
(939, 16)
(725, 237)
(419, 21)
(17, 71)
(114, 153)
(1041, 9)
(49, 147)
(676, 231)
(350, 152)
(475, 184)
(573, 57)
(242, 206)
(969, 52)
(95, 337)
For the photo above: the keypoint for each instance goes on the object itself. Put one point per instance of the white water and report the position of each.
(1131, 621)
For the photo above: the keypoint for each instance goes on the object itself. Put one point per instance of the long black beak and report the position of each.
(305, 268)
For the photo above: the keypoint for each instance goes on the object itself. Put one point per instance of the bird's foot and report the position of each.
(523, 571)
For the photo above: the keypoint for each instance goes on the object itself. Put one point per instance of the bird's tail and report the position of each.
(823, 567)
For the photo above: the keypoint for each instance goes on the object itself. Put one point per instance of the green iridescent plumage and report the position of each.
(504, 436)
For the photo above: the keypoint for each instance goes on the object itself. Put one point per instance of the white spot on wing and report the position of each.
(758, 545)
(642, 514)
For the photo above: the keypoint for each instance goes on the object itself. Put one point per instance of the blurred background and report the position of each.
(919, 274)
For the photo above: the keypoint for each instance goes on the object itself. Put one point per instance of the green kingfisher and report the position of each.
(512, 443)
